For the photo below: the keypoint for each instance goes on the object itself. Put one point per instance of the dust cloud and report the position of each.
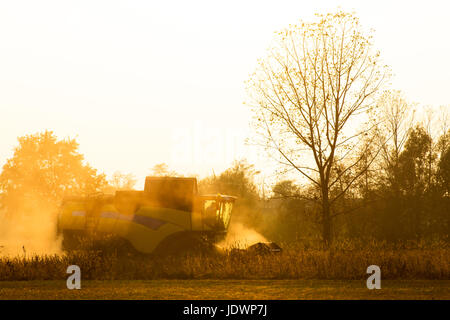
(31, 230)
(240, 237)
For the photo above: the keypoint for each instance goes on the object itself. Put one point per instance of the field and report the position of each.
(347, 262)
(408, 271)
(226, 289)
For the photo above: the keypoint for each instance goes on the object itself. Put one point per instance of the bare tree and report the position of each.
(312, 96)
(444, 131)
(398, 119)
(122, 181)
(162, 170)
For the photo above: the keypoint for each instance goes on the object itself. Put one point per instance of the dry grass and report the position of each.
(345, 261)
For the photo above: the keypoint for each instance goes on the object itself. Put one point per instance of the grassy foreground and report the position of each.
(346, 262)
(226, 289)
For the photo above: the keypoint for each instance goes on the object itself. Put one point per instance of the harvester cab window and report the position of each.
(210, 213)
(225, 212)
(217, 213)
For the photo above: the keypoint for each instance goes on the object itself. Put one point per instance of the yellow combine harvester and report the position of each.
(169, 214)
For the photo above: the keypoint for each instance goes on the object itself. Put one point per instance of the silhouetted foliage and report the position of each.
(122, 181)
(237, 181)
(162, 170)
(45, 169)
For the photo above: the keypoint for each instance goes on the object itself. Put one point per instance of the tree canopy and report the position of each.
(45, 168)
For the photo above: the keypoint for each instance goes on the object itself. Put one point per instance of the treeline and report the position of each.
(405, 193)
(402, 192)
(406, 200)
(401, 197)
(319, 110)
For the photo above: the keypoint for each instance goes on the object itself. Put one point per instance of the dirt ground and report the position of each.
(226, 289)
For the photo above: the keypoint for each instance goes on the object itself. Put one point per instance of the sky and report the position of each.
(143, 82)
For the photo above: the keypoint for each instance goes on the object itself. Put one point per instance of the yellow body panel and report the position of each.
(144, 229)
(146, 240)
(176, 217)
(72, 216)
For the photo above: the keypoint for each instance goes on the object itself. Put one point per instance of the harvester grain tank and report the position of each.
(169, 212)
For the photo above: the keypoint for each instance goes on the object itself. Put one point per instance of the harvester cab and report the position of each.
(168, 212)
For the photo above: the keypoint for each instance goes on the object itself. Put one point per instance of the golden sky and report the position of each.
(143, 82)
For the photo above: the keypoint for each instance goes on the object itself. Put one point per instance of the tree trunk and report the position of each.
(326, 218)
